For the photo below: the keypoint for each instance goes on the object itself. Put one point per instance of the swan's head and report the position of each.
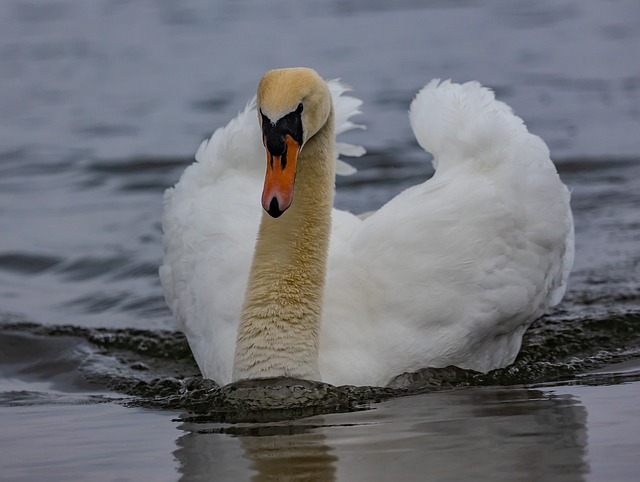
(293, 105)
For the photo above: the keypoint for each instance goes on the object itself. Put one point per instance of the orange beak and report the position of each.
(277, 194)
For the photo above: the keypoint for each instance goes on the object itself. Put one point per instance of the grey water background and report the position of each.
(103, 104)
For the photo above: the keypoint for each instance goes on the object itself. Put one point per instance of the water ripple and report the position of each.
(27, 263)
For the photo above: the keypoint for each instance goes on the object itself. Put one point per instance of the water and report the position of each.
(103, 104)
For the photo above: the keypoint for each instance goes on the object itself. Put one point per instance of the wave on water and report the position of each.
(155, 369)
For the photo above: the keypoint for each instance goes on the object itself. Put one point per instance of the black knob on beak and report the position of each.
(275, 143)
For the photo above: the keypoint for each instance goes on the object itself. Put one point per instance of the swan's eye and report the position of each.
(299, 109)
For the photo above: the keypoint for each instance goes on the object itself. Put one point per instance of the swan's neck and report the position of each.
(280, 321)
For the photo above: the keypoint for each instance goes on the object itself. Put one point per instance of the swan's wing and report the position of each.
(450, 269)
(458, 123)
(210, 222)
(209, 204)
(465, 124)
(344, 107)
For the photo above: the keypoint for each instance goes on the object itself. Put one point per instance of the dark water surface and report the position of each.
(103, 104)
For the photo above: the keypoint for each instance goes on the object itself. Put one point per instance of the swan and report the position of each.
(267, 279)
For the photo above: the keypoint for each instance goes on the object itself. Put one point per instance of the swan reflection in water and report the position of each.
(465, 434)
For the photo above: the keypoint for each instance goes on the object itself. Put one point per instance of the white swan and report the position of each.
(451, 271)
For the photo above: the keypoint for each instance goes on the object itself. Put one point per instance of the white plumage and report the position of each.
(451, 271)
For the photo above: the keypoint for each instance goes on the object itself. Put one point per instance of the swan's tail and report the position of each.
(464, 122)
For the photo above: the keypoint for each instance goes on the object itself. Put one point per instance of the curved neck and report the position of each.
(280, 321)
